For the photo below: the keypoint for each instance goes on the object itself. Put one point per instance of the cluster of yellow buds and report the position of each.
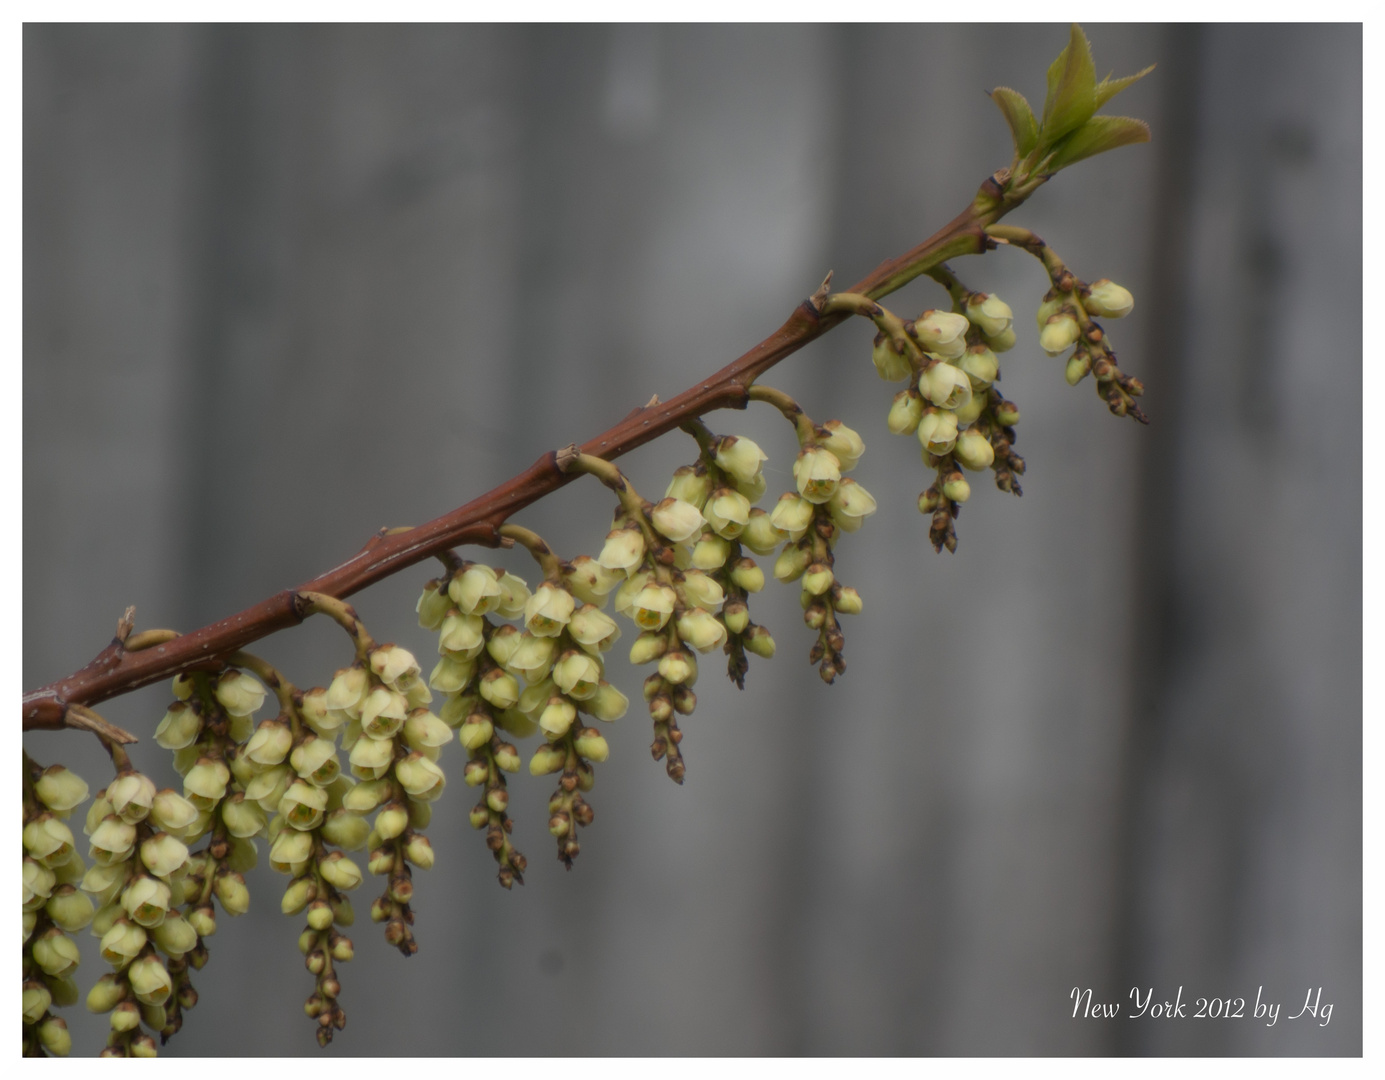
(1066, 322)
(951, 405)
(379, 706)
(140, 877)
(53, 906)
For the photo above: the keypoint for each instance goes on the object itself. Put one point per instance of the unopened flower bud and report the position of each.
(421, 778)
(507, 758)
(980, 365)
(890, 364)
(1108, 300)
(851, 504)
(432, 606)
(179, 727)
(175, 935)
(1079, 363)
(381, 862)
(340, 872)
(817, 471)
(591, 745)
(790, 565)
(240, 694)
(757, 639)
(70, 909)
(761, 535)
(500, 688)
(557, 717)
(845, 443)
(419, 852)
(106, 994)
(955, 488)
(1003, 342)
(54, 1036)
(342, 950)
(1059, 334)
(591, 582)
(989, 314)
(60, 789)
(702, 630)
(740, 458)
(391, 821)
(547, 759)
(943, 333)
(747, 575)
(847, 601)
(607, 704)
(677, 667)
(55, 953)
(905, 412)
(691, 484)
(974, 451)
(593, 629)
(476, 731)
(736, 617)
(533, 657)
(817, 579)
(711, 551)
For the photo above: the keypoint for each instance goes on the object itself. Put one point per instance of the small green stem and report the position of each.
(804, 427)
(532, 542)
(270, 676)
(340, 612)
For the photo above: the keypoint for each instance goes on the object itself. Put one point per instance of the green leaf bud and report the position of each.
(974, 451)
(240, 694)
(60, 789)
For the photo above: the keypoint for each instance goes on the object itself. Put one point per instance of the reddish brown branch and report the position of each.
(118, 670)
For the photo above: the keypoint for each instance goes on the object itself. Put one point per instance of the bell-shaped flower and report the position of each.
(676, 519)
(577, 674)
(242, 816)
(591, 745)
(625, 595)
(370, 758)
(476, 732)
(383, 712)
(291, 851)
(231, 891)
(845, 443)
(701, 629)
(974, 451)
(268, 787)
(851, 504)
(753, 489)
(303, 805)
(702, 590)
(790, 565)
(432, 606)
(340, 872)
(49, 840)
(536, 696)
(55, 953)
(653, 607)
(104, 883)
(424, 731)
(942, 333)
(146, 900)
(791, 515)
(240, 694)
(533, 657)
(1059, 334)
(678, 667)
(60, 789)
(891, 364)
(461, 635)
(968, 413)
(271, 743)
(38, 884)
(318, 716)
(691, 484)
(179, 727)
(500, 688)
(205, 783)
(727, 512)
(548, 610)
(591, 582)
(514, 594)
(175, 935)
(1107, 300)
(366, 796)
(172, 813)
(475, 590)
(122, 942)
(981, 366)
(817, 472)
(937, 431)
(421, 778)
(396, 667)
(131, 795)
(623, 550)
(740, 458)
(761, 535)
(315, 760)
(69, 909)
(989, 314)
(648, 646)
(747, 575)
(163, 854)
(593, 629)
(503, 642)
(945, 386)
(346, 829)
(113, 841)
(348, 687)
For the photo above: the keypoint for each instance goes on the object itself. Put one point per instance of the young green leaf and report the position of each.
(1071, 99)
(1096, 136)
(1024, 129)
(1109, 88)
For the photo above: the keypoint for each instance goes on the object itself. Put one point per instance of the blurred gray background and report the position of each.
(284, 286)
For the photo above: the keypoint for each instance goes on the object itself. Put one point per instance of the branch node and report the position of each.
(565, 457)
(84, 719)
(820, 294)
(125, 625)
